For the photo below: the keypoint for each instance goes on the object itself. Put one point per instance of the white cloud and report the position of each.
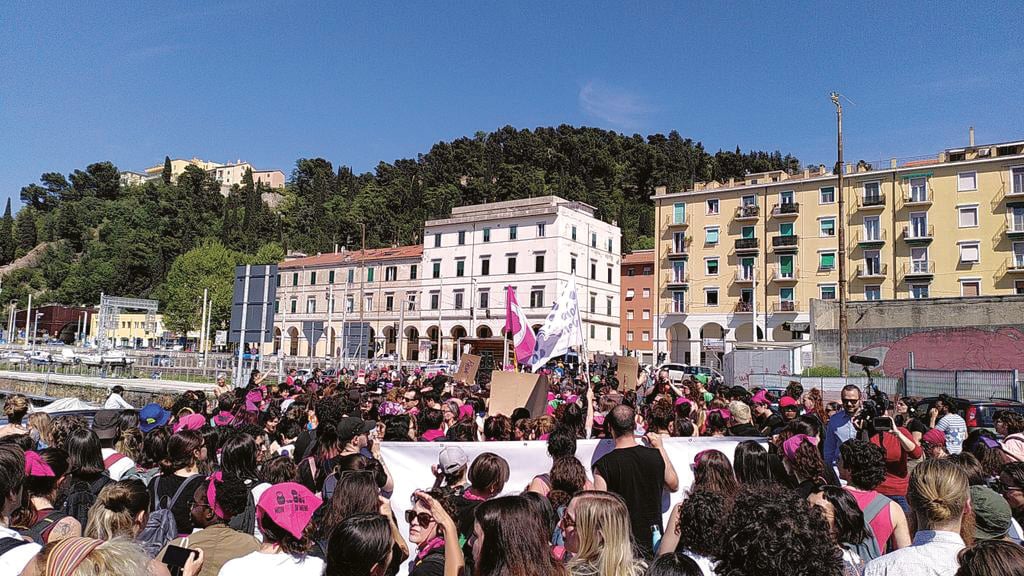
(616, 106)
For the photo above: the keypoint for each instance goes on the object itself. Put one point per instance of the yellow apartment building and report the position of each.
(730, 254)
(132, 330)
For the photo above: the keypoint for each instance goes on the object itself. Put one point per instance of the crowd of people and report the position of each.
(289, 479)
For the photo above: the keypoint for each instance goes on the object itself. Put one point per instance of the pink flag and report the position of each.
(517, 325)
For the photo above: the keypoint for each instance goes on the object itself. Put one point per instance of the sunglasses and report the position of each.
(423, 519)
(1004, 488)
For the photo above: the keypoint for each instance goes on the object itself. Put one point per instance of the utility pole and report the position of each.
(362, 296)
(330, 325)
(841, 238)
(28, 321)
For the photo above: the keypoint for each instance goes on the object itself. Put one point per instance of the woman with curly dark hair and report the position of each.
(713, 472)
(772, 531)
(695, 528)
(803, 461)
(847, 528)
(862, 466)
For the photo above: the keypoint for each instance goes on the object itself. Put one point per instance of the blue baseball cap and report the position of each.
(152, 416)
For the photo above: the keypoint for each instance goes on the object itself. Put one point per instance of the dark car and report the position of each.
(976, 413)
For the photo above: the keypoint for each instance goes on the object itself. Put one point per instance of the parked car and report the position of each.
(679, 372)
(12, 357)
(40, 357)
(976, 413)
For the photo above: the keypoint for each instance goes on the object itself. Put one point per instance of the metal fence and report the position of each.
(827, 385)
(967, 384)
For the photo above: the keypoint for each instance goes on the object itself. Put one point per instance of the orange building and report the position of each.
(637, 305)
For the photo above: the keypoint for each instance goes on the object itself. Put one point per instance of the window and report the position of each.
(412, 302)
(513, 232)
(970, 253)
(630, 293)
(487, 234)
(593, 303)
(827, 291)
(872, 228)
(918, 224)
(1018, 254)
(458, 299)
(412, 272)
(786, 229)
(711, 235)
(747, 268)
(485, 267)
(391, 273)
(711, 266)
(1017, 180)
(277, 306)
(918, 291)
(749, 200)
(368, 302)
(646, 315)
(826, 260)
(462, 237)
(786, 294)
(293, 305)
(968, 216)
(785, 266)
(609, 275)
(828, 227)
(629, 336)
(311, 305)
(629, 314)
(389, 302)
(460, 267)
(679, 242)
(330, 277)
(872, 192)
(712, 206)
(485, 299)
(369, 274)
(786, 197)
(435, 272)
(541, 228)
(1017, 219)
(593, 240)
(747, 232)
(966, 181)
(872, 292)
(312, 278)
(1018, 287)
(918, 189)
(970, 288)
(572, 264)
(593, 270)
(826, 195)
(648, 270)
(679, 213)
(350, 303)
(511, 261)
(872, 262)
(592, 331)
(647, 293)
(435, 300)
(295, 278)
(679, 272)
(351, 275)
(919, 260)
(608, 306)
(608, 333)
(609, 242)
(711, 296)
(539, 262)
(277, 280)
(572, 231)
(437, 240)
(679, 302)
(645, 335)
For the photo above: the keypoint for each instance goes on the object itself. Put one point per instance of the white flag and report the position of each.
(562, 329)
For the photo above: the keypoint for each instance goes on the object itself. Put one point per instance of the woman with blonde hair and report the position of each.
(120, 511)
(94, 557)
(598, 536)
(39, 426)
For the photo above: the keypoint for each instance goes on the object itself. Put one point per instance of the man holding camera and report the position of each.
(898, 444)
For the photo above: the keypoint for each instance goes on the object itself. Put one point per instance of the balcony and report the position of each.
(745, 276)
(750, 212)
(677, 223)
(786, 210)
(918, 200)
(679, 281)
(919, 270)
(1013, 265)
(742, 307)
(1013, 230)
(865, 271)
(871, 202)
(861, 238)
(785, 306)
(918, 234)
(785, 243)
(746, 244)
(677, 251)
(785, 277)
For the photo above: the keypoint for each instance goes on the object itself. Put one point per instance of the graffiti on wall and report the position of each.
(952, 349)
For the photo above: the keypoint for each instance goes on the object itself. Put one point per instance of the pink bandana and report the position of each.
(36, 466)
(211, 495)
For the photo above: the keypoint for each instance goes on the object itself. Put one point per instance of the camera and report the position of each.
(872, 414)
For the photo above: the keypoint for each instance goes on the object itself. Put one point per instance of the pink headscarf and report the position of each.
(36, 466)
(790, 446)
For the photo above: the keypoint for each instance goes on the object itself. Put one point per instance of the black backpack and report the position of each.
(245, 522)
(82, 496)
(8, 544)
(40, 531)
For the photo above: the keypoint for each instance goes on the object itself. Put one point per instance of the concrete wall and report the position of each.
(984, 333)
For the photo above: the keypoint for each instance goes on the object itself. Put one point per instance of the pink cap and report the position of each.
(36, 466)
(790, 446)
(682, 400)
(465, 411)
(211, 494)
(190, 422)
(760, 398)
(1013, 445)
(786, 402)
(289, 505)
(938, 438)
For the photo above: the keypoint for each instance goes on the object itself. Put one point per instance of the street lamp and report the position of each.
(36, 330)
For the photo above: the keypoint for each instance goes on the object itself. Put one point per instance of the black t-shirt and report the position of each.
(915, 425)
(431, 565)
(164, 490)
(636, 474)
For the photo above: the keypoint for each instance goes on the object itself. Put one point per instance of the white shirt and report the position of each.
(933, 553)
(116, 402)
(118, 469)
(279, 564)
(15, 561)
(707, 565)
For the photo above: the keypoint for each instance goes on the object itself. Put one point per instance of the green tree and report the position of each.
(101, 180)
(210, 265)
(7, 243)
(26, 233)
(269, 253)
(168, 172)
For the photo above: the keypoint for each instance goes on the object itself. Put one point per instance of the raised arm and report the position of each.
(671, 478)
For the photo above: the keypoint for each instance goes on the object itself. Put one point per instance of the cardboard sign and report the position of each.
(511, 390)
(468, 365)
(626, 373)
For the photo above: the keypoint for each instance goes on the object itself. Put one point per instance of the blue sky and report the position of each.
(360, 82)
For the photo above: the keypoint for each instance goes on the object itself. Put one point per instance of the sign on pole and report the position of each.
(357, 339)
(626, 373)
(221, 339)
(511, 390)
(468, 365)
(252, 309)
(312, 330)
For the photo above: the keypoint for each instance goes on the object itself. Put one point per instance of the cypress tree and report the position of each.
(7, 235)
(167, 170)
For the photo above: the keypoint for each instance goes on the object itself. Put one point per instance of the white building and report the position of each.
(232, 174)
(534, 245)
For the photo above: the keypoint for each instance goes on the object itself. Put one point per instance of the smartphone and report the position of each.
(175, 558)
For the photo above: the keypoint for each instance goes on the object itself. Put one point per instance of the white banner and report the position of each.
(562, 329)
(409, 463)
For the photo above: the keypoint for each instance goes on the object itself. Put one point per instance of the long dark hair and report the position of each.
(358, 544)
(154, 447)
(238, 457)
(713, 472)
(181, 449)
(848, 517)
(356, 493)
(515, 542)
(750, 463)
(85, 457)
(41, 487)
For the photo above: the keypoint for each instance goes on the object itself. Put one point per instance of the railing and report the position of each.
(786, 209)
(679, 278)
(872, 201)
(919, 268)
(742, 306)
(746, 243)
(673, 221)
(861, 237)
(677, 250)
(745, 275)
(785, 241)
(748, 211)
(1015, 263)
(779, 276)
(872, 271)
(1012, 227)
(912, 233)
(785, 306)
(911, 199)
